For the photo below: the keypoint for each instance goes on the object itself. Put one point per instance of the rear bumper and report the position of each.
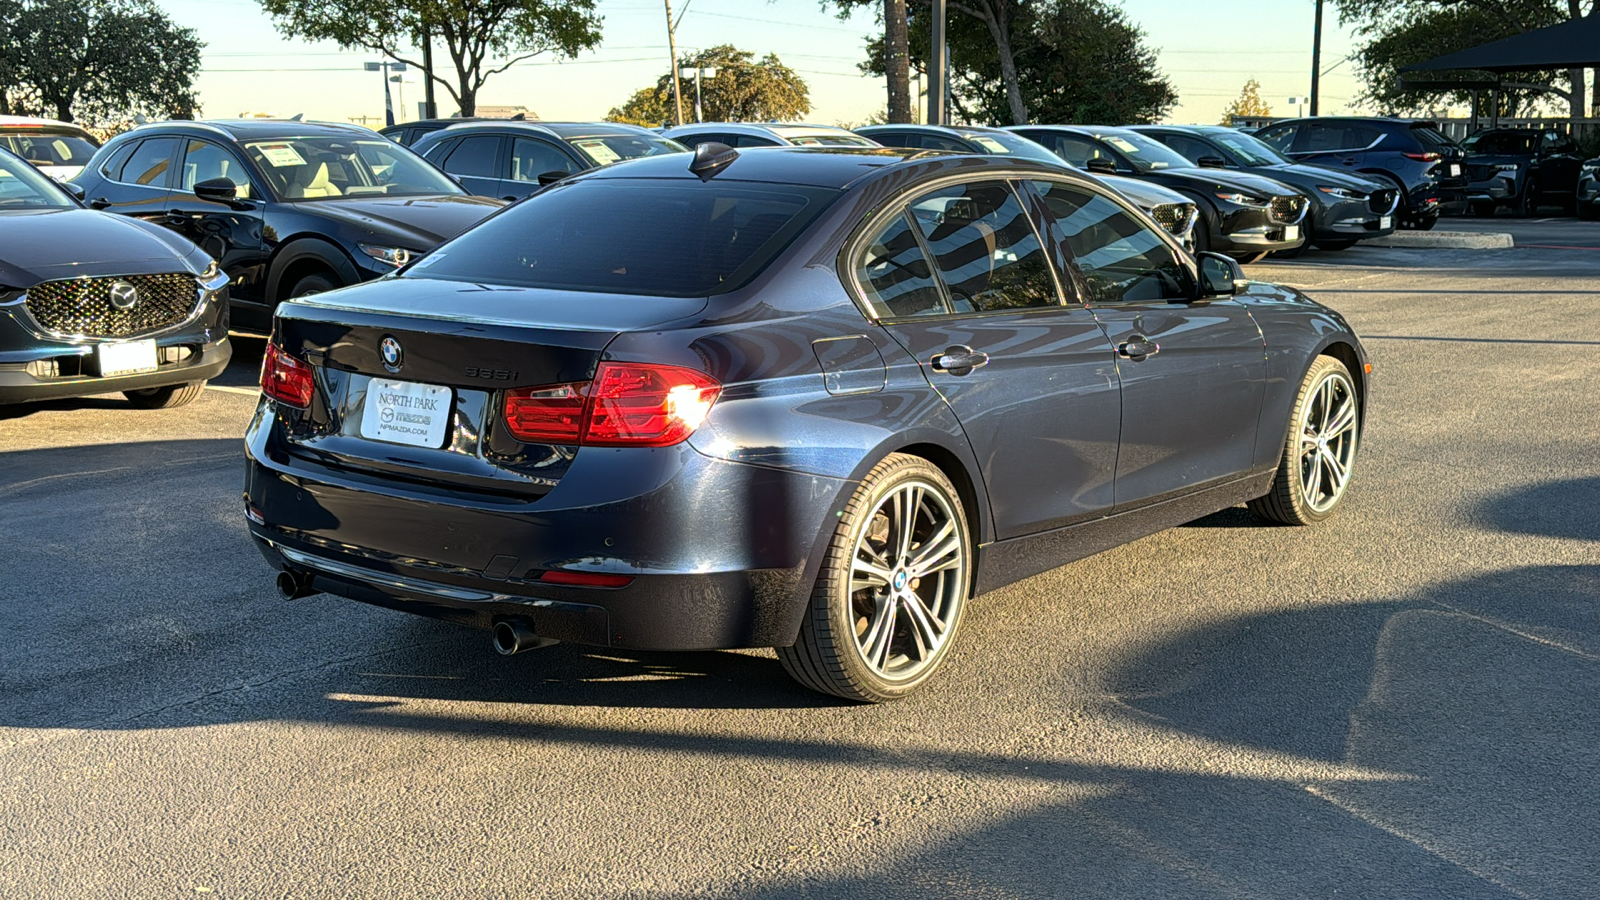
(720, 554)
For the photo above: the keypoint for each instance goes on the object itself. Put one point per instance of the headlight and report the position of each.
(1242, 199)
(1506, 167)
(394, 256)
(213, 278)
(1341, 193)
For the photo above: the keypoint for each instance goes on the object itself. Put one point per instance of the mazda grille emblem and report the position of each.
(123, 295)
(389, 348)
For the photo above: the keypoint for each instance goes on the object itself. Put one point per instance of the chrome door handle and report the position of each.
(959, 360)
(1138, 348)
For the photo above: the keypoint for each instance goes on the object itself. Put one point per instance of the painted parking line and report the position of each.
(248, 392)
(1556, 247)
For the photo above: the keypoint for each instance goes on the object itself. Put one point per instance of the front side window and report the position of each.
(1122, 259)
(317, 168)
(984, 248)
(151, 164)
(205, 161)
(1279, 138)
(532, 158)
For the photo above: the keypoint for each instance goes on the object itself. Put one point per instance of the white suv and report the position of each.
(57, 149)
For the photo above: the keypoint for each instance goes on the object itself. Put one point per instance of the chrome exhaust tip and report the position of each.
(294, 585)
(513, 636)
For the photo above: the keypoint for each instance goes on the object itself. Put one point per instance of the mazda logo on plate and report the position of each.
(389, 349)
(123, 295)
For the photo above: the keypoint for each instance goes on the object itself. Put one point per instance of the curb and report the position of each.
(1443, 240)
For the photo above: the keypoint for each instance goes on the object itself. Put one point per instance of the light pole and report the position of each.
(399, 82)
(1316, 57)
(386, 67)
(695, 73)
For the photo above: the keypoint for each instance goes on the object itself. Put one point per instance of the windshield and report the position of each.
(1250, 149)
(1502, 142)
(317, 168)
(673, 238)
(1146, 154)
(831, 140)
(1004, 143)
(609, 148)
(45, 149)
(24, 187)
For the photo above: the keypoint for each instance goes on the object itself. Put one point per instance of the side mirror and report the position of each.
(221, 190)
(1211, 162)
(1101, 166)
(1220, 276)
(75, 190)
(551, 177)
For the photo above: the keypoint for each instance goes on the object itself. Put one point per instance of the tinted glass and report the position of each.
(1501, 142)
(750, 140)
(532, 158)
(984, 248)
(474, 157)
(203, 161)
(49, 149)
(1278, 137)
(24, 187)
(112, 167)
(1430, 137)
(935, 142)
(610, 148)
(831, 140)
(438, 151)
(896, 276)
(1005, 143)
(1076, 150)
(150, 164)
(1254, 152)
(1323, 137)
(1146, 154)
(1187, 147)
(628, 236)
(317, 168)
(1122, 259)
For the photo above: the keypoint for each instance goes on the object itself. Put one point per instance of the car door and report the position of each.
(960, 278)
(1190, 148)
(475, 162)
(1192, 372)
(530, 158)
(230, 233)
(143, 184)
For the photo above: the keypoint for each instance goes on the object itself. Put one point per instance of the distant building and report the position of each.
(505, 112)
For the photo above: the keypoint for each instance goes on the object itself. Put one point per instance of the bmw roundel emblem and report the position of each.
(389, 349)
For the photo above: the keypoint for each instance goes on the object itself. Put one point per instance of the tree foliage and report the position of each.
(1400, 33)
(74, 60)
(1076, 61)
(744, 89)
(1249, 103)
(482, 38)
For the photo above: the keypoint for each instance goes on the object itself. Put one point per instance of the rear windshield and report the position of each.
(24, 187)
(632, 236)
(831, 140)
(1432, 137)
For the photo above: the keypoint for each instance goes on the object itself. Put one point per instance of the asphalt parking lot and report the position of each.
(1399, 703)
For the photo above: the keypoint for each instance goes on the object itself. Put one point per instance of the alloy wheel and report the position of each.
(1327, 441)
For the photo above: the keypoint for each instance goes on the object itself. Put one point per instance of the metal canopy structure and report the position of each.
(1573, 44)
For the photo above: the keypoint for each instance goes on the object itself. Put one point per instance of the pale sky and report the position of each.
(1207, 49)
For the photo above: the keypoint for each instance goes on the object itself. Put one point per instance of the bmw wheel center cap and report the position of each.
(392, 354)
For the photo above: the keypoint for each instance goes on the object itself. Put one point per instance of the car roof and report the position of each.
(1377, 120)
(32, 122)
(827, 167)
(556, 129)
(1086, 130)
(1187, 129)
(256, 129)
(774, 129)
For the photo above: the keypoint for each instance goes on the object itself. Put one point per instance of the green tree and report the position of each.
(743, 90)
(1076, 61)
(1249, 103)
(482, 38)
(1399, 33)
(70, 59)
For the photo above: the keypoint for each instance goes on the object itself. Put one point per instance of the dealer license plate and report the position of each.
(1291, 232)
(126, 357)
(403, 412)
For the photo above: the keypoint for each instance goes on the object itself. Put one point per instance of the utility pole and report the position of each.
(1316, 57)
(672, 47)
(897, 61)
(430, 109)
(938, 66)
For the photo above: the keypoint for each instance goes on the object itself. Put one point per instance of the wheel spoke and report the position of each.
(1338, 474)
(880, 635)
(1313, 478)
(866, 574)
(939, 552)
(1343, 420)
(926, 628)
(907, 505)
(1325, 404)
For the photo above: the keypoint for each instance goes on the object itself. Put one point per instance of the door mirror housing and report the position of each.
(1211, 162)
(551, 177)
(76, 191)
(1220, 276)
(1101, 166)
(221, 190)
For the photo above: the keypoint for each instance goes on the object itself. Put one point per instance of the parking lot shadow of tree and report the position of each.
(1561, 509)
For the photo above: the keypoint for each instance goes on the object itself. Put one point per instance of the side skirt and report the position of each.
(1005, 562)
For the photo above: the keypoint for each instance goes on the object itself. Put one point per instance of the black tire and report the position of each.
(1587, 211)
(315, 283)
(1334, 246)
(1288, 502)
(1424, 223)
(166, 397)
(1484, 209)
(1202, 233)
(828, 656)
(1528, 201)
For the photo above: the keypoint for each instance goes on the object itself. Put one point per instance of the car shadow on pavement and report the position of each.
(1560, 509)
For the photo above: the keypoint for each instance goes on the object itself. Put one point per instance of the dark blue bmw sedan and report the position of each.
(807, 399)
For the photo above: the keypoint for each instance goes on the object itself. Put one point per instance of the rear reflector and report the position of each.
(627, 405)
(286, 379)
(585, 579)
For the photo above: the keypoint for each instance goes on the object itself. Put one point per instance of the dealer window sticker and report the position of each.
(598, 151)
(990, 144)
(280, 155)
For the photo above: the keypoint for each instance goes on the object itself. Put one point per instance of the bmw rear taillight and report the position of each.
(1424, 157)
(286, 379)
(627, 405)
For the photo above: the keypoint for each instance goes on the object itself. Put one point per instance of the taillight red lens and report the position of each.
(1423, 157)
(585, 579)
(286, 379)
(627, 405)
(552, 415)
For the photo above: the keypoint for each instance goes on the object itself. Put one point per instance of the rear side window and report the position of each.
(895, 275)
(1432, 138)
(1279, 137)
(632, 236)
(475, 157)
(151, 164)
(985, 249)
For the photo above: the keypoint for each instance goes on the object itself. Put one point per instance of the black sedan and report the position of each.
(289, 208)
(848, 391)
(91, 303)
(1344, 208)
(1244, 215)
(510, 159)
(1521, 168)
